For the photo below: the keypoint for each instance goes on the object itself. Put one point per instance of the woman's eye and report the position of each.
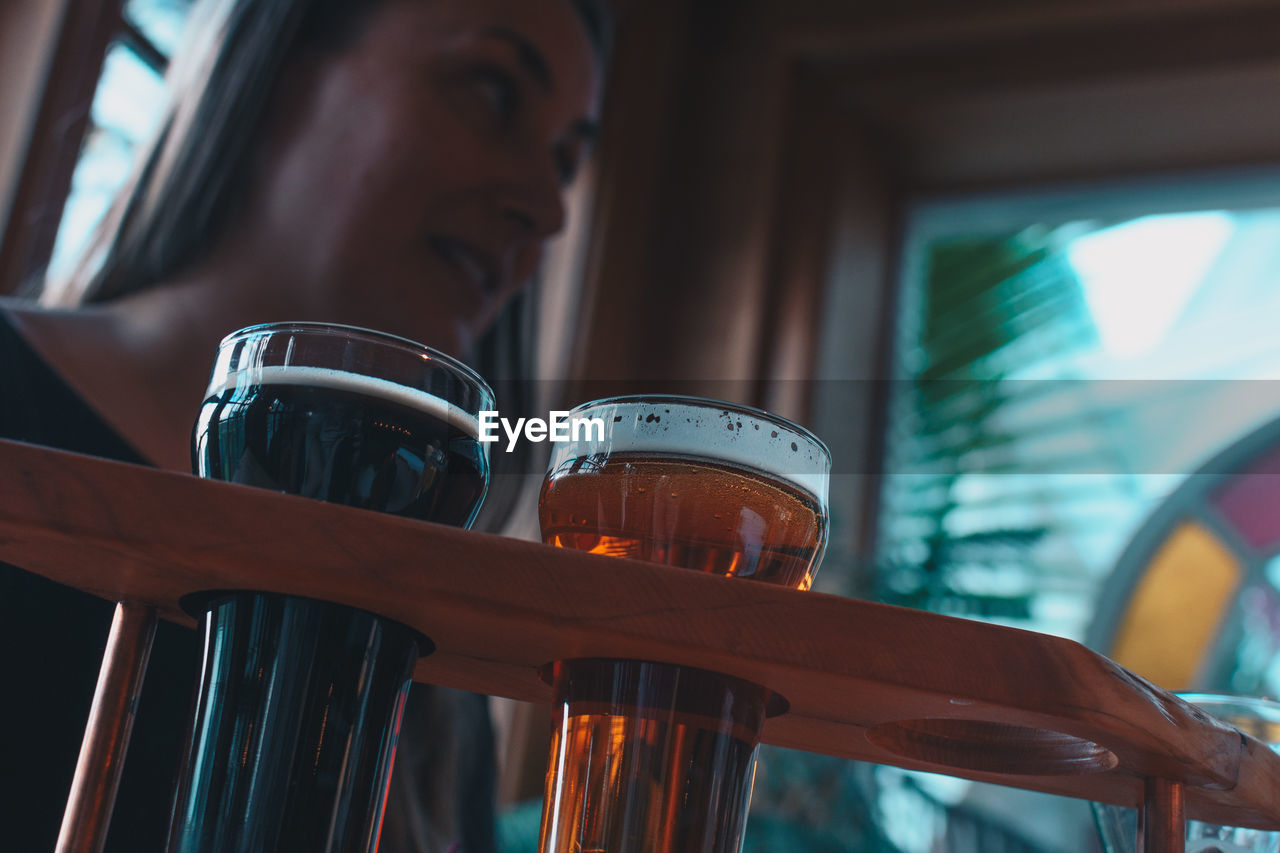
(499, 91)
(567, 162)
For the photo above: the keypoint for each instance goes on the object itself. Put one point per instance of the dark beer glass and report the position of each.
(652, 757)
(300, 699)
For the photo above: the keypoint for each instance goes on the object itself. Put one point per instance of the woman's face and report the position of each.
(410, 179)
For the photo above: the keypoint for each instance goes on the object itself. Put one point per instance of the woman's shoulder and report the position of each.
(40, 406)
(17, 355)
(46, 336)
(23, 324)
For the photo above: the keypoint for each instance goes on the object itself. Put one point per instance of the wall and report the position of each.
(945, 96)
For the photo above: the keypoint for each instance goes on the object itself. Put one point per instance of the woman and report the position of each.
(396, 165)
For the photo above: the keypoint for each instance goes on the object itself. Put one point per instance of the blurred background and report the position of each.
(1016, 263)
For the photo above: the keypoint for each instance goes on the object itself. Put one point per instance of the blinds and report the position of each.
(1045, 404)
(1003, 483)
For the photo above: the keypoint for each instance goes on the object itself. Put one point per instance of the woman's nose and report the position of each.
(535, 200)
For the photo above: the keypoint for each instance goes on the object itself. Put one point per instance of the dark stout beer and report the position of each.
(300, 699)
(346, 439)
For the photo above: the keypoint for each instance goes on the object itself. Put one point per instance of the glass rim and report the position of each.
(1205, 701)
(711, 403)
(371, 335)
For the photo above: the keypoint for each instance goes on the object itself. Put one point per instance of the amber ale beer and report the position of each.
(299, 704)
(648, 756)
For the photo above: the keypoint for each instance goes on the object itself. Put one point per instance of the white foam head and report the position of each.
(341, 380)
(704, 429)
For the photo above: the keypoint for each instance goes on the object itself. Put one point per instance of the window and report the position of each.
(126, 108)
(1065, 361)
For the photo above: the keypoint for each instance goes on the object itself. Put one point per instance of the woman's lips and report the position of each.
(477, 266)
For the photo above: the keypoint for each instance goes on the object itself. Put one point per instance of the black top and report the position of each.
(53, 638)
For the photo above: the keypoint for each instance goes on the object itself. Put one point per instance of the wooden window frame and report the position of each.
(47, 156)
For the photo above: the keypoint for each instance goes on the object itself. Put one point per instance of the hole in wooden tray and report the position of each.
(775, 706)
(992, 747)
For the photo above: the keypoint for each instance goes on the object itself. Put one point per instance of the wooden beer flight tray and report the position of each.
(864, 681)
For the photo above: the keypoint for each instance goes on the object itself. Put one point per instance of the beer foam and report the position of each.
(701, 429)
(342, 380)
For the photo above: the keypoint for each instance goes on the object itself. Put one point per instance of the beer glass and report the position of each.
(1258, 717)
(300, 699)
(648, 756)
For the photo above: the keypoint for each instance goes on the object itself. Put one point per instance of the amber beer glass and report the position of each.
(649, 756)
(300, 699)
